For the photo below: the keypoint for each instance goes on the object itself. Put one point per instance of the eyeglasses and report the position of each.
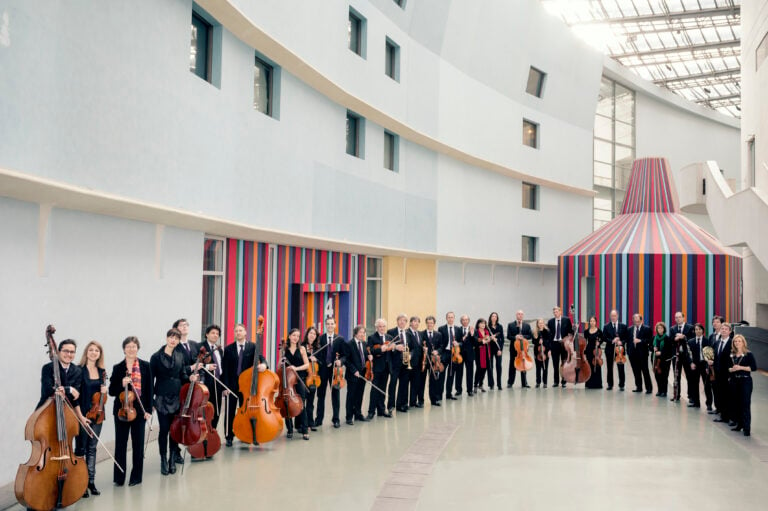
(68, 352)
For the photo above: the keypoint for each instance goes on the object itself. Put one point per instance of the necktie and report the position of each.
(720, 348)
(215, 356)
(429, 335)
(464, 331)
(615, 329)
(240, 358)
(450, 336)
(186, 347)
(402, 337)
(360, 349)
(558, 336)
(329, 351)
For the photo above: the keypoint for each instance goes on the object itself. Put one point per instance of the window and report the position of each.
(529, 248)
(392, 60)
(356, 33)
(213, 284)
(391, 150)
(355, 125)
(535, 85)
(262, 86)
(373, 280)
(530, 134)
(530, 196)
(200, 47)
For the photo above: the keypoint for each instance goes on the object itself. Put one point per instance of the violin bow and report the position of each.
(92, 434)
(144, 411)
(372, 385)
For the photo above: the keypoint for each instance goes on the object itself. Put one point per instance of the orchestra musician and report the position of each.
(215, 390)
(94, 378)
(189, 349)
(435, 346)
(540, 337)
(468, 342)
(296, 357)
(134, 374)
(238, 357)
(663, 351)
(681, 360)
(497, 349)
(640, 336)
(310, 343)
(594, 337)
(560, 328)
(714, 340)
(482, 355)
(355, 370)
(451, 335)
(682, 331)
(614, 334)
(722, 354)
(518, 328)
(395, 397)
(741, 364)
(417, 376)
(379, 345)
(698, 369)
(330, 351)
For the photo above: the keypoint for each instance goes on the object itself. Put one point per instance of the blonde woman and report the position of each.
(94, 380)
(740, 367)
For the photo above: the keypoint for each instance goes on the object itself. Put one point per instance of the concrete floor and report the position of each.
(531, 449)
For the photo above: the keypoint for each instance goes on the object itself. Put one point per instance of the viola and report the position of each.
(656, 363)
(289, 401)
(258, 420)
(212, 441)
(99, 399)
(313, 378)
(338, 376)
(575, 368)
(53, 477)
(127, 412)
(189, 426)
(368, 367)
(619, 355)
(541, 352)
(523, 360)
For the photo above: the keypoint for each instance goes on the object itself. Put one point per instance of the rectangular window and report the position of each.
(262, 86)
(200, 47)
(392, 60)
(354, 135)
(356, 33)
(213, 284)
(391, 142)
(373, 283)
(530, 196)
(535, 85)
(530, 133)
(529, 248)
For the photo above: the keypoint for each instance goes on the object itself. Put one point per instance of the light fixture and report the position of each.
(707, 91)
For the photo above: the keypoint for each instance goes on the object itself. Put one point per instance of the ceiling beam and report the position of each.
(678, 15)
(715, 99)
(680, 49)
(699, 76)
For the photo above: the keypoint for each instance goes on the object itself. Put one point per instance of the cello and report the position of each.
(523, 360)
(576, 369)
(258, 420)
(54, 476)
(212, 441)
(288, 401)
(189, 426)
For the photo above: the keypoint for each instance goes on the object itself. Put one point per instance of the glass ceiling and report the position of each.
(691, 47)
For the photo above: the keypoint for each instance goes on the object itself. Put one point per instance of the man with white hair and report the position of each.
(396, 360)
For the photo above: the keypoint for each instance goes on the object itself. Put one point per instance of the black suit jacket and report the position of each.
(468, 344)
(687, 331)
(609, 334)
(396, 357)
(414, 344)
(498, 330)
(723, 360)
(566, 327)
(445, 336)
(513, 331)
(120, 371)
(379, 358)
(73, 377)
(190, 357)
(208, 380)
(229, 374)
(695, 352)
(352, 359)
(337, 348)
(437, 343)
(645, 335)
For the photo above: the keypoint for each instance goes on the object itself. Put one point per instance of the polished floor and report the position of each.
(532, 449)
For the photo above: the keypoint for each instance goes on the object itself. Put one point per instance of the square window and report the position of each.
(535, 85)
(200, 47)
(529, 248)
(392, 60)
(262, 86)
(391, 151)
(355, 126)
(356, 33)
(530, 133)
(530, 196)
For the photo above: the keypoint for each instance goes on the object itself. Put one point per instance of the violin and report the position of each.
(289, 401)
(437, 365)
(368, 367)
(523, 360)
(338, 376)
(53, 477)
(656, 363)
(456, 357)
(258, 419)
(619, 355)
(575, 368)
(189, 426)
(313, 378)
(212, 441)
(127, 412)
(598, 356)
(99, 399)
(541, 352)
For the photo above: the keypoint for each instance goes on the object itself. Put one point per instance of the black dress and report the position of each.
(595, 381)
(740, 385)
(295, 359)
(170, 372)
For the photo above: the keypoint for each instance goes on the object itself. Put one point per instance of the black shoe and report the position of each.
(499, 387)
(133, 483)
(731, 423)
(93, 490)
(637, 390)
(171, 465)
(386, 415)
(229, 442)
(370, 416)
(658, 394)
(336, 424)
(85, 495)
(436, 403)
(313, 428)
(452, 398)
(538, 385)
(562, 384)
(609, 388)
(470, 394)
(350, 422)
(710, 411)
(746, 432)
(402, 409)
(360, 418)
(289, 435)
(526, 386)
(118, 484)
(736, 428)
(545, 385)
(621, 389)
(163, 464)
(419, 405)
(663, 394)
(693, 405)
(649, 392)
(178, 458)
(509, 385)
(718, 420)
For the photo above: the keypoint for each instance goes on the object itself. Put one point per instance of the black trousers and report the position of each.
(701, 368)
(495, 366)
(376, 398)
(417, 383)
(640, 370)
(722, 395)
(541, 371)
(164, 421)
(134, 429)
(326, 380)
(216, 399)
(436, 386)
(609, 359)
(692, 377)
(513, 373)
(662, 378)
(403, 382)
(89, 447)
(555, 352)
(455, 372)
(309, 405)
(355, 391)
(469, 371)
(394, 378)
(740, 391)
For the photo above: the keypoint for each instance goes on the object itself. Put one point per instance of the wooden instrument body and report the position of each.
(541, 353)
(98, 401)
(619, 355)
(289, 401)
(127, 412)
(456, 356)
(576, 368)
(258, 420)
(212, 442)
(338, 380)
(523, 360)
(598, 353)
(189, 426)
(313, 377)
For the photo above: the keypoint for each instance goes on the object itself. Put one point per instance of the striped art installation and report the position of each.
(652, 260)
(291, 287)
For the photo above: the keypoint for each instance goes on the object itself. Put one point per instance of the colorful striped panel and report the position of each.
(650, 188)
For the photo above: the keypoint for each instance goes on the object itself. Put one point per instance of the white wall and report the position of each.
(754, 84)
(100, 282)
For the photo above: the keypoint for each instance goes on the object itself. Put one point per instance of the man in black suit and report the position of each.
(451, 335)
(722, 358)
(331, 351)
(355, 370)
(614, 334)
(396, 364)
(211, 347)
(238, 357)
(378, 347)
(714, 339)
(640, 336)
(416, 376)
(515, 329)
(467, 341)
(187, 347)
(698, 369)
(436, 346)
(560, 327)
(683, 331)
(71, 376)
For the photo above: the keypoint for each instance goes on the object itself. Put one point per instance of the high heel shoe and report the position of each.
(305, 436)
(736, 428)
(93, 490)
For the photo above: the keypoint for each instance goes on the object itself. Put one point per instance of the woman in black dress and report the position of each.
(170, 372)
(310, 345)
(740, 366)
(540, 342)
(594, 337)
(296, 356)
(134, 375)
(663, 350)
(94, 380)
(496, 345)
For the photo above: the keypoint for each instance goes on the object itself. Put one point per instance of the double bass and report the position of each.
(575, 368)
(212, 441)
(258, 420)
(189, 426)
(54, 476)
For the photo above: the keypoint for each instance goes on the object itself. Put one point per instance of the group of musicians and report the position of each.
(396, 364)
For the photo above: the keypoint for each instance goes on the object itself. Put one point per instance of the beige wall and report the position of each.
(409, 286)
